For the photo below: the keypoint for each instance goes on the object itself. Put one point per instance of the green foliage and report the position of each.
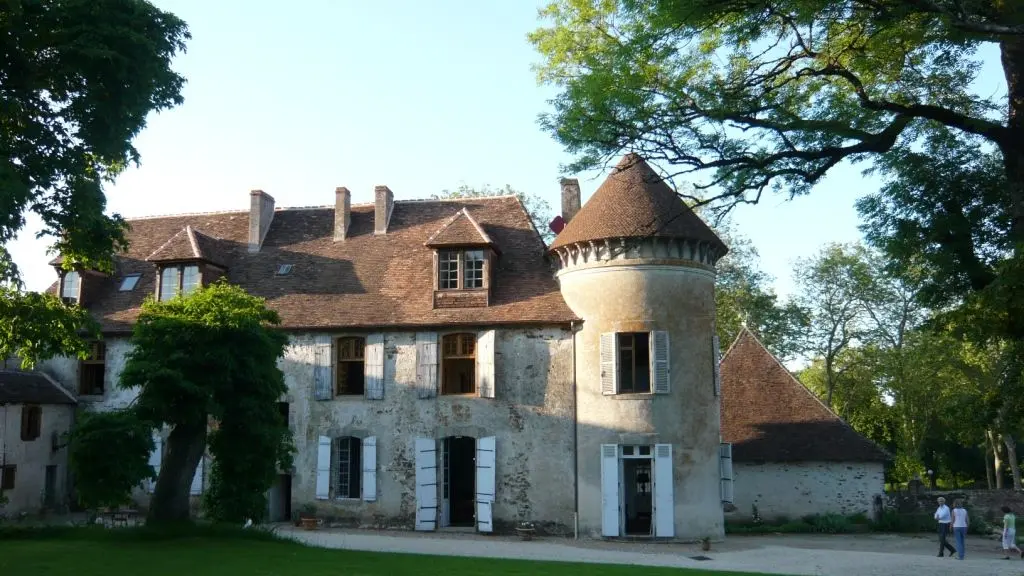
(536, 207)
(37, 326)
(812, 524)
(108, 453)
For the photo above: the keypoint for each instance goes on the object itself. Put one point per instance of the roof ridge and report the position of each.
(191, 233)
(169, 240)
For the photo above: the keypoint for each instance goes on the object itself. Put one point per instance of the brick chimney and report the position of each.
(384, 203)
(342, 212)
(261, 212)
(570, 198)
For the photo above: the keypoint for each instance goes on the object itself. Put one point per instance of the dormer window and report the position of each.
(461, 269)
(182, 279)
(70, 285)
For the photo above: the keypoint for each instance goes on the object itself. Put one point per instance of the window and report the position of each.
(31, 422)
(284, 269)
(350, 379)
(69, 290)
(92, 370)
(458, 269)
(178, 279)
(634, 362)
(7, 474)
(282, 409)
(129, 281)
(349, 467)
(458, 372)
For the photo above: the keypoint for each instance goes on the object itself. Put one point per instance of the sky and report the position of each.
(299, 98)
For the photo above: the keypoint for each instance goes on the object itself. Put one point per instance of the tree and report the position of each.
(210, 356)
(536, 207)
(79, 78)
(108, 452)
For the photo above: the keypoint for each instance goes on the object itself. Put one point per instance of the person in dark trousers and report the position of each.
(943, 517)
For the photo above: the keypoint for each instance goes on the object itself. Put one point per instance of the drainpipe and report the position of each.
(575, 441)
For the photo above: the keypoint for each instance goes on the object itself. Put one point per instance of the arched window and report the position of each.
(351, 377)
(348, 468)
(458, 374)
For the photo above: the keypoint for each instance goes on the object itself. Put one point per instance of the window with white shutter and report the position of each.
(375, 366)
(322, 362)
(323, 468)
(635, 363)
(426, 364)
(370, 468)
(485, 363)
(609, 366)
(660, 362)
(716, 359)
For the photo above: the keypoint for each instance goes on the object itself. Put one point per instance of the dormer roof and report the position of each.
(459, 230)
(187, 244)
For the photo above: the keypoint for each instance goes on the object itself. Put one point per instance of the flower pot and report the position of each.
(705, 544)
(308, 523)
(525, 533)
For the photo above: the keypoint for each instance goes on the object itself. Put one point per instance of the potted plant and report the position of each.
(526, 530)
(307, 517)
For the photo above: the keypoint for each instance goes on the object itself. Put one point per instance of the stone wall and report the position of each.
(987, 503)
(794, 490)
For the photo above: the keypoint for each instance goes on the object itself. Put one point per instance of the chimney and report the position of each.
(342, 212)
(384, 203)
(570, 198)
(261, 212)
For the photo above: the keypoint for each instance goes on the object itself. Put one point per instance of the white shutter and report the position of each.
(660, 362)
(485, 483)
(323, 468)
(374, 359)
(717, 359)
(485, 364)
(609, 364)
(370, 468)
(322, 362)
(664, 500)
(197, 479)
(609, 490)
(725, 461)
(426, 364)
(426, 484)
(155, 458)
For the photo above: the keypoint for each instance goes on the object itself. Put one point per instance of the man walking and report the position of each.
(943, 517)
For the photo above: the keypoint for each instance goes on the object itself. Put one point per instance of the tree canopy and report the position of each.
(79, 78)
(536, 207)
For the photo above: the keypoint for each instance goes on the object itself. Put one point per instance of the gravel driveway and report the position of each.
(868, 555)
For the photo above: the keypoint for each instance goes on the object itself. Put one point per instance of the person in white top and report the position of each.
(943, 517)
(960, 527)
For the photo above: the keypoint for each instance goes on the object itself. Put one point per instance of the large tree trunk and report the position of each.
(1011, 455)
(988, 466)
(997, 462)
(182, 452)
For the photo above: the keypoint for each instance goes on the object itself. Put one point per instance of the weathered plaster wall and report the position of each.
(32, 457)
(645, 295)
(530, 416)
(65, 371)
(797, 489)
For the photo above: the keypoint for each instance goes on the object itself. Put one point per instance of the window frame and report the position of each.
(134, 277)
(338, 361)
(8, 476)
(355, 468)
(461, 261)
(619, 348)
(460, 354)
(97, 357)
(64, 284)
(180, 274)
(31, 422)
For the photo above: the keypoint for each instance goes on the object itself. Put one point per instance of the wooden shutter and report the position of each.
(660, 362)
(155, 458)
(197, 479)
(370, 468)
(610, 490)
(609, 364)
(485, 483)
(664, 500)
(323, 468)
(426, 364)
(485, 364)
(725, 460)
(323, 388)
(426, 484)
(716, 358)
(374, 359)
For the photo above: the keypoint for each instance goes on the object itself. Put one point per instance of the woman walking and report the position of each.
(960, 523)
(1010, 533)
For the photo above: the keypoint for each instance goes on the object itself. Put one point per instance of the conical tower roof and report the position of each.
(634, 202)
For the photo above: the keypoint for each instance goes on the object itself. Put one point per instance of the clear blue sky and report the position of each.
(299, 98)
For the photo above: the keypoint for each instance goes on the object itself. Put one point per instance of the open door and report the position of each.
(610, 490)
(426, 484)
(485, 483)
(664, 500)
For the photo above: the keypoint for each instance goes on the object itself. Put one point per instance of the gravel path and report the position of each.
(838, 555)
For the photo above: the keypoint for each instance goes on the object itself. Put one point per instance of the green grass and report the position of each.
(88, 552)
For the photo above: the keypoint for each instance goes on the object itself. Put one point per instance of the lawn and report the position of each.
(92, 554)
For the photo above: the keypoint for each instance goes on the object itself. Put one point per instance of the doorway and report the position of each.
(459, 481)
(50, 488)
(637, 492)
(280, 499)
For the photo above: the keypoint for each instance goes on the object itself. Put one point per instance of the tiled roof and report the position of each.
(768, 415)
(634, 202)
(460, 230)
(18, 387)
(367, 280)
(187, 244)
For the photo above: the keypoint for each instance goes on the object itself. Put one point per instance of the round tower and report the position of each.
(638, 267)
